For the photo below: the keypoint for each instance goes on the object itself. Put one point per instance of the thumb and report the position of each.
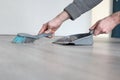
(95, 25)
(49, 31)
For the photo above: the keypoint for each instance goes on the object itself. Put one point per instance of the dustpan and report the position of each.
(85, 39)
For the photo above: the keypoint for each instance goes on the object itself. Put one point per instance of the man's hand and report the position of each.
(50, 27)
(107, 24)
(54, 24)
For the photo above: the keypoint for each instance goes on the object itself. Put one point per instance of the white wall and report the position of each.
(27, 16)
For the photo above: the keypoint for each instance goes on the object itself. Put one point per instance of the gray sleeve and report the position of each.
(79, 7)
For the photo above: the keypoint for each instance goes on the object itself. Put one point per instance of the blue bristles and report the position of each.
(19, 39)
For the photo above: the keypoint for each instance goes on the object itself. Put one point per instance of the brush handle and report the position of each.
(43, 35)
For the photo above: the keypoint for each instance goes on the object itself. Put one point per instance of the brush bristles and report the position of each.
(19, 39)
(22, 39)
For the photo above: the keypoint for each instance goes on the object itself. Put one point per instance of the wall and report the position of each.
(17, 16)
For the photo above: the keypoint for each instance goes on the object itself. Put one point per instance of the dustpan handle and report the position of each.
(91, 32)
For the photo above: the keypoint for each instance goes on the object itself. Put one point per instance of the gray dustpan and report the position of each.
(76, 39)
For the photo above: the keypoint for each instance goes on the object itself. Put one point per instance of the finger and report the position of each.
(43, 29)
(97, 31)
(49, 31)
(95, 25)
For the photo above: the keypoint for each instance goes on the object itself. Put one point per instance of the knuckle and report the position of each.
(105, 31)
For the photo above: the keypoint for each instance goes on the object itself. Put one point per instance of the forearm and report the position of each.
(116, 17)
(63, 16)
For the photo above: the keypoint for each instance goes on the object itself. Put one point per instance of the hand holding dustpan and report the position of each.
(77, 39)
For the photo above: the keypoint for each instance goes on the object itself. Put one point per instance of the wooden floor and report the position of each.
(46, 61)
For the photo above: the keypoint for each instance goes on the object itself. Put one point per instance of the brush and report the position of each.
(27, 38)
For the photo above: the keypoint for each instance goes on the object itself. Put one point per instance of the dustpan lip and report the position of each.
(61, 42)
(85, 35)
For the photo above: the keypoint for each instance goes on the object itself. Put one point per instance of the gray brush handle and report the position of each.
(43, 35)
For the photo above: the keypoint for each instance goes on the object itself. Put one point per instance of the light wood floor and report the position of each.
(46, 61)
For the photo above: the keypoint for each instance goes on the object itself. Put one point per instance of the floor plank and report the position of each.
(43, 60)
